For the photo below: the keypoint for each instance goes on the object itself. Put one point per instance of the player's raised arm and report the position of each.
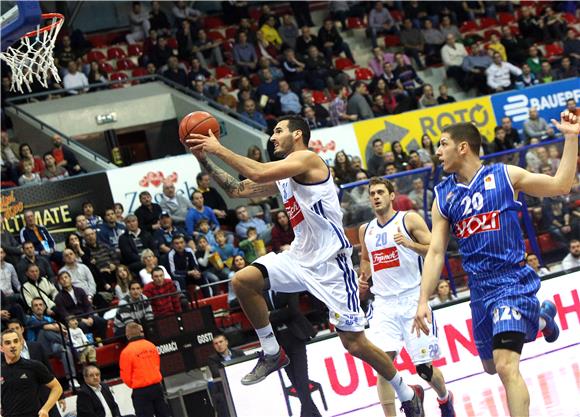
(432, 268)
(541, 185)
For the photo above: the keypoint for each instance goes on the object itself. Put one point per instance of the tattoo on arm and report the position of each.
(232, 186)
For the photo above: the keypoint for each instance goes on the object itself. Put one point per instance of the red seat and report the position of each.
(214, 35)
(255, 80)
(397, 15)
(570, 18)
(223, 72)
(343, 64)
(319, 97)
(172, 43)
(106, 67)
(231, 32)
(528, 246)
(469, 26)
(115, 52)
(57, 367)
(135, 49)
(363, 74)
(392, 40)
(354, 23)
(109, 354)
(118, 76)
(228, 45)
(218, 302)
(96, 55)
(487, 34)
(110, 330)
(505, 18)
(139, 72)
(125, 64)
(546, 243)
(212, 22)
(487, 22)
(553, 51)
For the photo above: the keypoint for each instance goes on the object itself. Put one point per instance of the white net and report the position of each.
(31, 58)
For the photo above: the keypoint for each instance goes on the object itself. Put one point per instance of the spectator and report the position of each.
(571, 106)
(379, 107)
(103, 258)
(428, 98)
(572, 46)
(164, 236)
(443, 294)
(566, 69)
(444, 97)
(245, 56)
(52, 172)
(427, 150)
(380, 22)
(133, 242)
(500, 141)
(226, 250)
(175, 204)
(407, 75)
(160, 53)
(448, 28)
(282, 232)
(338, 108)
(496, 46)
(110, 230)
(29, 177)
(392, 82)
(310, 117)
(572, 259)
(267, 91)
(534, 60)
(252, 114)
(293, 70)
(305, 41)
(30, 257)
(26, 154)
(434, 40)
(139, 364)
(38, 235)
(331, 42)
(527, 78)
(76, 82)
(140, 26)
(207, 50)
(151, 262)
(536, 126)
(287, 100)
(158, 19)
(319, 71)
(530, 29)
(554, 25)
(245, 221)
(511, 134)
(203, 229)
(515, 47)
(417, 195)
(474, 67)
(186, 41)
(270, 33)
(557, 218)
(65, 53)
(163, 294)
(415, 11)
(183, 267)
(124, 278)
(213, 199)
(9, 160)
(380, 57)
(358, 104)
(414, 160)
(199, 211)
(546, 74)
(534, 263)
(355, 202)
(148, 212)
(89, 211)
(80, 274)
(85, 351)
(248, 28)
(94, 398)
(119, 210)
(413, 42)
(226, 99)
(182, 11)
(133, 307)
(344, 173)
(174, 72)
(211, 270)
(267, 51)
(196, 71)
(288, 30)
(376, 163)
(401, 157)
(65, 157)
(453, 55)
(498, 74)
(38, 286)
(9, 282)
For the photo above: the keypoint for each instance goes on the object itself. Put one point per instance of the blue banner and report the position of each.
(550, 99)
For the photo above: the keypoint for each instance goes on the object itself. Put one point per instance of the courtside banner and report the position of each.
(55, 204)
(409, 127)
(328, 141)
(552, 371)
(128, 182)
(550, 99)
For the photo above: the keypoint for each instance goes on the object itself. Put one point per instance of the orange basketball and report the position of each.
(199, 122)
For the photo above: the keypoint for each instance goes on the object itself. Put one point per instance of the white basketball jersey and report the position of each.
(316, 217)
(396, 269)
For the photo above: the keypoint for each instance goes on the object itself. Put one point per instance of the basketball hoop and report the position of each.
(31, 58)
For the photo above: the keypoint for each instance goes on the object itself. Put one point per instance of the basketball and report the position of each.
(199, 122)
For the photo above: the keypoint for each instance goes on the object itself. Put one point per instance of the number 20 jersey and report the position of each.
(483, 216)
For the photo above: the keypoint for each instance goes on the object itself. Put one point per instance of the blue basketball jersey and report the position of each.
(484, 218)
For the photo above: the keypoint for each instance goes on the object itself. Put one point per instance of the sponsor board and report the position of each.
(127, 182)
(328, 141)
(550, 99)
(409, 127)
(349, 385)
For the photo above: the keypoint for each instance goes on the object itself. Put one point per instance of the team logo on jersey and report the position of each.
(483, 222)
(449, 195)
(489, 182)
(294, 211)
(385, 258)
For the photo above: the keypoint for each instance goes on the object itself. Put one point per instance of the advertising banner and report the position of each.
(126, 183)
(348, 385)
(408, 128)
(550, 99)
(328, 141)
(55, 204)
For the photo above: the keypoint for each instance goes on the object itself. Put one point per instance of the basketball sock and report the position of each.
(268, 341)
(404, 392)
(542, 323)
(444, 398)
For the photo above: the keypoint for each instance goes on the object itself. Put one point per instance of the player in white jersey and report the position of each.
(319, 258)
(392, 249)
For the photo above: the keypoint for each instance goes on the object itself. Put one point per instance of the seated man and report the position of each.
(572, 260)
(39, 287)
(148, 212)
(175, 204)
(39, 236)
(133, 307)
(133, 242)
(163, 237)
(80, 274)
(104, 259)
(162, 306)
(245, 221)
(94, 397)
(110, 230)
(182, 265)
(198, 212)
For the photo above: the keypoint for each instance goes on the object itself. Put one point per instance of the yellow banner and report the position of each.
(408, 128)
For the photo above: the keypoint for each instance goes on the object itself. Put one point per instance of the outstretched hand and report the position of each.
(199, 145)
(569, 123)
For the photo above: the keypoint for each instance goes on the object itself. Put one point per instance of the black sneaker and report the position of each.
(446, 406)
(414, 407)
(265, 366)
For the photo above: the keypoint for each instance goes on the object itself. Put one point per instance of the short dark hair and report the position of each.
(32, 266)
(17, 321)
(178, 236)
(156, 269)
(465, 131)
(377, 140)
(380, 180)
(296, 122)
(135, 282)
(200, 176)
(142, 193)
(87, 203)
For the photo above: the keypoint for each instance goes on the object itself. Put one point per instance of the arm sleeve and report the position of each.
(213, 219)
(84, 405)
(189, 221)
(489, 75)
(14, 279)
(126, 368)
(42, 373)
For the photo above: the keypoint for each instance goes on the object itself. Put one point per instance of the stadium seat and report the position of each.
(139, 72)
(354, 23)
(569, 18)
(255, 80)
(172, 43)
(487, 22)
(96, 55)
(218, 302)
(547, 243)
(343, 64)
(231, 32)
(109, 354)
(106, 67)
(469, 26)
(213, 22)
(214, 35)
(118, 76)
(227, 46)
(135, 49)
(363, 74)
(223, 72)
(392, 40)
(319, 97)
(487, 34)
(57, 367)
(553, 51)
(125, 64)
(505, 18)
(397, 15)
(115, 53)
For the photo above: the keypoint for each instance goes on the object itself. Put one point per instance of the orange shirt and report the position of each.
(140, 364)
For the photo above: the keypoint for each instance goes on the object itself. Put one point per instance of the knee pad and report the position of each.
(386, 391)
(425, 371)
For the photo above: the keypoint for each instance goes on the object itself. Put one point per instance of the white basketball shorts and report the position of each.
(333, 282)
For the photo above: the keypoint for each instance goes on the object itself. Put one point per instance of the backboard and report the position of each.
(18, 18)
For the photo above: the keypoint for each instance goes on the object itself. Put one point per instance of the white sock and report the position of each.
(444, 398)
(404, 392)
(542, 323)
(268, 341)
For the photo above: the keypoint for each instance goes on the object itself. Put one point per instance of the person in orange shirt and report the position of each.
(140, 371)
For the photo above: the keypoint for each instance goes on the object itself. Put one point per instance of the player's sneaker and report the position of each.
(548, 311)
(265, 366)
(446, 406)
(414, 407)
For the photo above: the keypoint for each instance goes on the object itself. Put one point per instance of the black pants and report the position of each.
(297, 371)
(149, 402)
